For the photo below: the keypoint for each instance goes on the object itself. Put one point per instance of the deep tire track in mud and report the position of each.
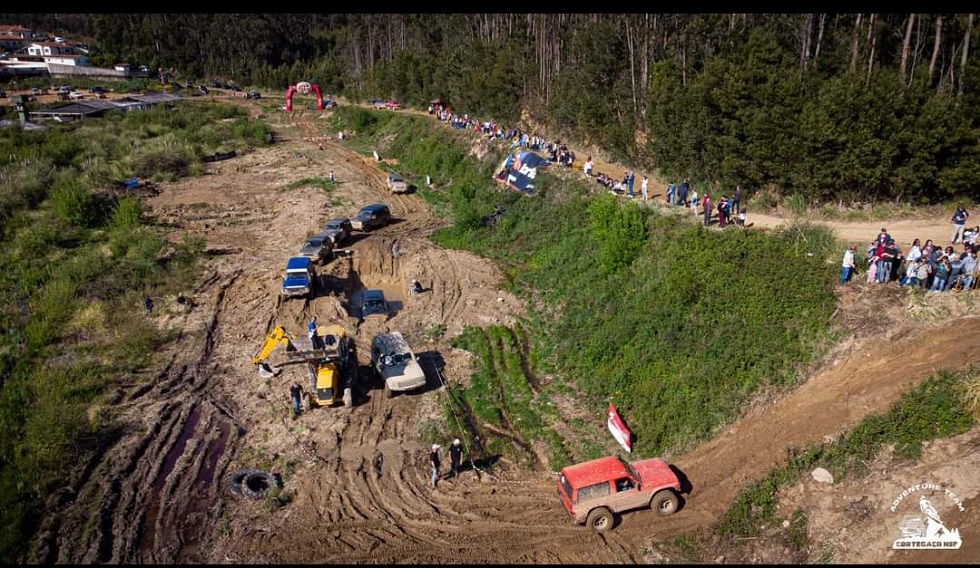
(125, 510)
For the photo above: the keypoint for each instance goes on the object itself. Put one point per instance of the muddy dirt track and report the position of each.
(356, 481)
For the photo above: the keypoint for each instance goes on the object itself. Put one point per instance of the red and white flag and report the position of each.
(619, 429)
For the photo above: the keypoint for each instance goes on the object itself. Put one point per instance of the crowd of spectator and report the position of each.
(926, 265)
(556, 152)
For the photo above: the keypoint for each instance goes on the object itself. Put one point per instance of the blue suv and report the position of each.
(300, 278)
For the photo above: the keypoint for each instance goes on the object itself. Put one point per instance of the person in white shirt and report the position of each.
(847, 265)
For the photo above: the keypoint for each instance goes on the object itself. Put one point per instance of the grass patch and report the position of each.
(323, 184)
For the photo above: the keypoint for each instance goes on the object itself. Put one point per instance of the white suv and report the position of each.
(394, 360)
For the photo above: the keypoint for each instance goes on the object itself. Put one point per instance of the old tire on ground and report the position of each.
(237, 480)
(601, 519)
(257, 484)
(664, 502)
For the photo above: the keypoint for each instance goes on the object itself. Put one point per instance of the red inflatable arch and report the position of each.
(304, 88)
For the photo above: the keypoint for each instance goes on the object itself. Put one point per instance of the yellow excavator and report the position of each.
(327, 354)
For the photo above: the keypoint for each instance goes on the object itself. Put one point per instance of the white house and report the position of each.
(49, 48)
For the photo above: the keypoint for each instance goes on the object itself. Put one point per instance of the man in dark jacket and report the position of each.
(455, 456)
(682, 193)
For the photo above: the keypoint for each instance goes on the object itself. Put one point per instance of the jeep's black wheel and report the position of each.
(664, 502)
(601, 519)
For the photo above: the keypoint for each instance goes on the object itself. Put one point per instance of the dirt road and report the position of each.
(356, 481)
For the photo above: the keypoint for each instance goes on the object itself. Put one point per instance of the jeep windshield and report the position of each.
(563, 483)
(397, 359)
(374, 307)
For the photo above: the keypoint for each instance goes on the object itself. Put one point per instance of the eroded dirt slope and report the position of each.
(356, 478)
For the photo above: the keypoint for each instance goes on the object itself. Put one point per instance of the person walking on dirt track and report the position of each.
(434, 464)
(296, 394)
(455, 456)
(959, 223)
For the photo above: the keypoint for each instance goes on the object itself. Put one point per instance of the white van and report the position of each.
(394, 361)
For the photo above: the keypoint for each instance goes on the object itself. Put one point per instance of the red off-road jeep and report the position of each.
(594, 491)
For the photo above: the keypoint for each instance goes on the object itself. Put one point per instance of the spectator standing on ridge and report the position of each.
(959, 223)
(883, 237)
(682, 193)
(884, 263)
(847, 265)
(737, 200)
(940, 274)
(671, 190)
(629, 183)
(645, 188)
(969, 269)
(955, 267)
(588, 166)
(148, 304)
(694, 200)
(873, 270)
(922, 273)
(706, 205)
(915, 251)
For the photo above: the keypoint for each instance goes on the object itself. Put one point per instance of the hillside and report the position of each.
(356, 487)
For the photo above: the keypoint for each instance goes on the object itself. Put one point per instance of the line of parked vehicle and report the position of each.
(300, 279)
(391, 356)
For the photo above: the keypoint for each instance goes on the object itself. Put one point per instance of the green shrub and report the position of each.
(72, 202)
(126, 215)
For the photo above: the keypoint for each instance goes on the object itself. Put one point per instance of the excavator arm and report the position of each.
(276, 337)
